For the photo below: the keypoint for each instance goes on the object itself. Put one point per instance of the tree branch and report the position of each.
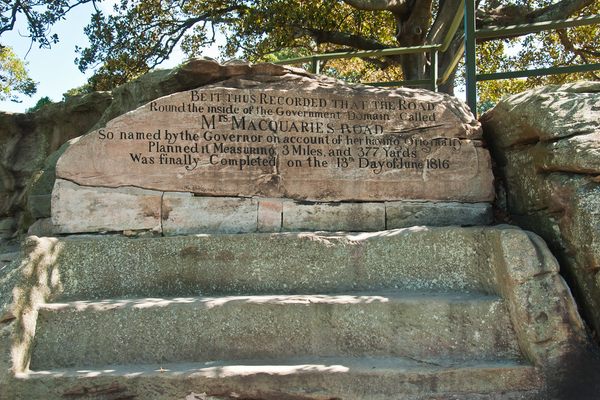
(343, 39)
(413, 29)
(440, 26)
(378, 5)
(570, 46)
(513, 14)
(560, 10)
(13, 19)
(592, 53)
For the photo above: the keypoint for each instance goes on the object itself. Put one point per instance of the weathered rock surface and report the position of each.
(184, 213)
(402, 214)
(276, 132)
(269, 149)
(27, 140)
(88, 209)
(547, 145)
(105, 209)
(461, 313)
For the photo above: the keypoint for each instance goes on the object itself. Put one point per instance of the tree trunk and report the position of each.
(414, 66)
(412, 25)
(444, 63)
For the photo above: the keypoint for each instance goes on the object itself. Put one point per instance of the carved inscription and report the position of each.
(259, 130)
(228, 141)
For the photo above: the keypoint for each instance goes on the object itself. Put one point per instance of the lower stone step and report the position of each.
(419, 325)
(316, 378)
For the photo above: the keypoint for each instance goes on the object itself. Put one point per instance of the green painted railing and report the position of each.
(316, 59)
(465, 14)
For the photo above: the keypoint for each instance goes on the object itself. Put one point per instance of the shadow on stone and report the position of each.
(577, 377)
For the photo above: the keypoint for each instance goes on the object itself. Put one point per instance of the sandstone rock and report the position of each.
(270, 215)
(578, 154)
(41, 183)
(333, 216)
(546, 144)
(196, 72)
(39, 205)
(83, 209)
(545, 114)
(186, 214)
(402, 214)
(289, 135)
(7, 226)
(357, 316)
(42, 227)
(26, 140)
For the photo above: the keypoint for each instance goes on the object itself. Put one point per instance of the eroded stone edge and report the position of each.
(542, 309)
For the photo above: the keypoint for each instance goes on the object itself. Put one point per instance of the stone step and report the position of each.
(307, 378)
(418, 325)
(102, 267)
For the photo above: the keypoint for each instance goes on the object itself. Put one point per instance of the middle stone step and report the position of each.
(420, 325)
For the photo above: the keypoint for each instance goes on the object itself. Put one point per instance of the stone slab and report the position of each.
(333, 216)
(288, 283)
(355, 324)
(184, 213)
(402, 214)
(412, 259)
(492, 260)
(94, 209)
(348, 378)
(91, 209)
(270, 215)
(291, 136)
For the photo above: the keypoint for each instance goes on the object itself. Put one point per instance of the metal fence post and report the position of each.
(434, 70)
(316, 66)
(470, 63)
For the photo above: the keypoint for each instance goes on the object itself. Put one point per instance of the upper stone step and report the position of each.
(422, 326)
(305, 378)
(99, 267)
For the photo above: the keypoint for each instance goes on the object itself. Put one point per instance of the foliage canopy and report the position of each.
(143, 33)
(13, 76)
(571, 46)
(39, 16)
(140, 34)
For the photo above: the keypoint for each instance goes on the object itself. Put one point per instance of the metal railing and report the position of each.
(465, 14)
(434, 50)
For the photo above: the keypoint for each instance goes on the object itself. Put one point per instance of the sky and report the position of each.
(54, 69)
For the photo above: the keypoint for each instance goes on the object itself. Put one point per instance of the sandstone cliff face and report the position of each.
(546, 143)
(27, 140)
